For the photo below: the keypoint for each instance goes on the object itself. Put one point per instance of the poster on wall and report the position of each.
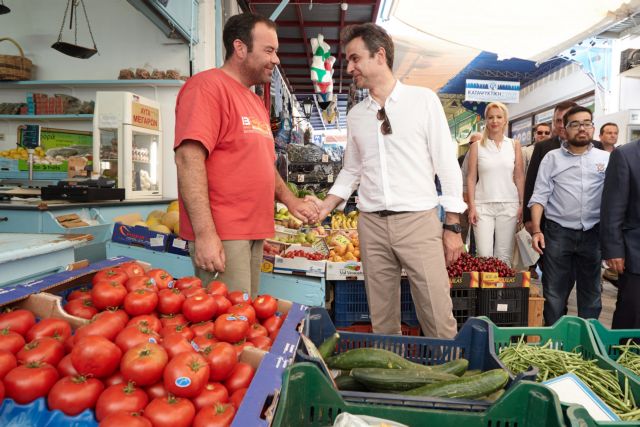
(521, 130)
(544, 117)
(492, 90)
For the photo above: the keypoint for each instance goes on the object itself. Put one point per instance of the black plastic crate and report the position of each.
(505, 306)
(465, 304)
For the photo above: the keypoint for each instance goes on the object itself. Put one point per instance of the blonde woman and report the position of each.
(495, 183)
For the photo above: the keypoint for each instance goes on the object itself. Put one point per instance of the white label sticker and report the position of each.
(330, 177)
(179, 243)
(300, 177)
(325, 158)
(157, 241)
(503, 307)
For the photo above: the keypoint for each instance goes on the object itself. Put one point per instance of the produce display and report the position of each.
(629, 356)
(468, 263)
(167, 221)
(552, 363)
(349, 221)
(160, 349)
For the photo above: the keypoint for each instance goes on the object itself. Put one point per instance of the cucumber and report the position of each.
(456, 367)
(328, 346)
(349, 383)
(472, 372)
(493, 396)
(371, 358)
(395, 380)
(466, 387)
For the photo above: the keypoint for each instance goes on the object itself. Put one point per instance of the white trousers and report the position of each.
(495, 230)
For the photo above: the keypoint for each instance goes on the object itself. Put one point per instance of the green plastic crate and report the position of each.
(607, 339)
(568, 333)
(308, 399)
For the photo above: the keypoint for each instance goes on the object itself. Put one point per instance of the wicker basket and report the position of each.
(14, 67)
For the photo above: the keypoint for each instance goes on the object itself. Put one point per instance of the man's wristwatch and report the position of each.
(453, 227)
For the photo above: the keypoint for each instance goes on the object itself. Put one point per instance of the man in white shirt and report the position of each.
(398, 140)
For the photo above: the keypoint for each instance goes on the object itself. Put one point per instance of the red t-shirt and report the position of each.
(233, 125)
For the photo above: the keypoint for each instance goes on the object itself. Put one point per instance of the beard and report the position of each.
(576, 142)
(256, 74)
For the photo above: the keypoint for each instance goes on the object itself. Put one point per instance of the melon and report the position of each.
(170, 219)
(155, 214)
(159, 228)
(173, 206)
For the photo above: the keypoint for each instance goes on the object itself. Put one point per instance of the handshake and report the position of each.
(309, 210)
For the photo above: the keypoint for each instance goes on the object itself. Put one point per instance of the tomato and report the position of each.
(8, 361)
(241, 345)
(218, 288)
(220, 415)
(223, 303)
(199, 308)
(149, 321)
(118, 314)
(170, 301)
(243, 309)
(236, 297)
(193, 291)
(265, 306)
(236, 398)
(240, 377)
(257, 330)
(132, 269)
(202, 342)
(183, 330)
(19, 321)
(73, 395)
(107, 327)
(186, 375)
(114, 379)
(115, 274)
(65, 367)
(173, 320)
(11, 341)
(212, 394)
(230, 328)
(176, 344)
(136, 335)
(202, 328)
(107, 293)
(28, 382)
(140, 282)
(125, 418)
(188, 282)
(82, 293)
(163, 279)
(144, 364)
(273, 323)
(170, 412)
(263, 343)
(120, 397)
(222, 358)
(95, 355)
(68, 343)
(140, 302)
(156, 390)
(81, 307)
(55, 328)
(45, 349)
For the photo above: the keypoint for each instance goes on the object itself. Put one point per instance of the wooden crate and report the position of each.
(536, 304)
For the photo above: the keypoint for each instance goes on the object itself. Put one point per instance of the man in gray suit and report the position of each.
(620, 231)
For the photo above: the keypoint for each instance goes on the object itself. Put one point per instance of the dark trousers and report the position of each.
(570, 252)
(627, 314)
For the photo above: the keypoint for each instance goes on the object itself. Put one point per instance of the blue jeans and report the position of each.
(568, 250)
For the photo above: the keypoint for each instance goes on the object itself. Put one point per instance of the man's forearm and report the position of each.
(194, 187)
(536, 216)
(452, 218)
(331, 201)
(283, 194)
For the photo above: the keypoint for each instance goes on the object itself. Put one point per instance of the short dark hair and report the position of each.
(373, 36)
(565, 105)
(575, 110)
(607, 124)
(535, 128)
(240, 27)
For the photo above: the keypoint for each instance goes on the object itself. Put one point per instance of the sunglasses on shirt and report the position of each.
(543, 132)
(385, 127)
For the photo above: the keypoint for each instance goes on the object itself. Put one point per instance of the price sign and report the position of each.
(330, 177)
(319, 245)
(325, 158)
(30, 136)
(300, 177)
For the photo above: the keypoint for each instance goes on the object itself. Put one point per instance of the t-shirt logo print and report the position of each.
(255, 125)
(600, 167)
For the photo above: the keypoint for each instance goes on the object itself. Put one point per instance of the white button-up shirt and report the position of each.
(397, 172)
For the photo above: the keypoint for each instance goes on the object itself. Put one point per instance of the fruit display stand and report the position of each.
(309, 399)
(297, 288)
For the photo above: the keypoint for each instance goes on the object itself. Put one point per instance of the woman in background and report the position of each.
(495, 185)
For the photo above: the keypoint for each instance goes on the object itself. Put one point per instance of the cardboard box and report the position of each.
(349, 270)
(139, 236)
(468, 280)
(492, 280)
(299, 265)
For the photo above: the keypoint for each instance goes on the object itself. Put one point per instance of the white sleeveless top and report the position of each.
(495, 172)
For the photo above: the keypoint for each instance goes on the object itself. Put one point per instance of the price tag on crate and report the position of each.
(300, 177)
(330, 177)
(325, 158)
(319, 245)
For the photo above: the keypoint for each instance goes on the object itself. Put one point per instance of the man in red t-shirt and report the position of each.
(225, 158)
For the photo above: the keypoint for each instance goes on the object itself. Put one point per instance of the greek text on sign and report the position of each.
(145, 116)
(491, 90)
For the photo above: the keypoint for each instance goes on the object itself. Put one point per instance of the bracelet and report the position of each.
(536, 232)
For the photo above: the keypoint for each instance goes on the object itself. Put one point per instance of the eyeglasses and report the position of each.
(385, 127)
(543, 132)
(576, 125)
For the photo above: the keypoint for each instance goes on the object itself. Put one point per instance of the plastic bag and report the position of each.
(346, 419)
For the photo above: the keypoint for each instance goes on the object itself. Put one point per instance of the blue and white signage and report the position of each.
(492, 90)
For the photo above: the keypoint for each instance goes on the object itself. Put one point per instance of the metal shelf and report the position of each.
(44, 117)
(89, 83)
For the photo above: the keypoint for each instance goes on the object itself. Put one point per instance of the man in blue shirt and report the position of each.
(569, 190)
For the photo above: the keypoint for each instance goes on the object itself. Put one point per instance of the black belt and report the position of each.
(385, 213)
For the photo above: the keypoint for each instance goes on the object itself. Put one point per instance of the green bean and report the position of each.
(629, 356)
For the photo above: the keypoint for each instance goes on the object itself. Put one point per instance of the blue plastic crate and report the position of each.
(36, 414)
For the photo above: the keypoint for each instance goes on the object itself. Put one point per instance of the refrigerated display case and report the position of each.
(127, 135)
(628, 122)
